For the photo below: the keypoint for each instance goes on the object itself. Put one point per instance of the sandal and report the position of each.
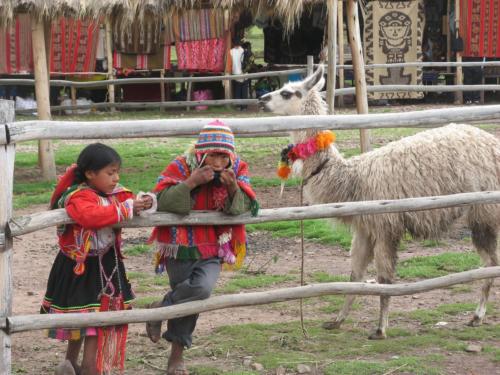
(153, 329)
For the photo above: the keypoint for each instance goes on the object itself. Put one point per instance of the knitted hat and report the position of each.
(215, 137)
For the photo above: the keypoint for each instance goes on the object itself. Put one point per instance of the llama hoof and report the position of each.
(475, 321)
(378, 335)
(331, 325)
(65, 368)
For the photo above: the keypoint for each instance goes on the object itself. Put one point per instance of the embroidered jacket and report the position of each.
(93, 214)
(202, 241)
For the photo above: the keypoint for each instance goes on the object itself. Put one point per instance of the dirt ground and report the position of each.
(33, 353)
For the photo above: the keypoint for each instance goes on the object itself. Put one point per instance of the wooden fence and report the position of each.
(12, 133)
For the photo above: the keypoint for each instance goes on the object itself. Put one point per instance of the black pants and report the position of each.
(240, 91)
(472, 76)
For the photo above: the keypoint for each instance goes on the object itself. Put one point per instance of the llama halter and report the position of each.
(303, 151)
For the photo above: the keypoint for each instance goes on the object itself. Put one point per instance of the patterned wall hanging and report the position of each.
(393, 34)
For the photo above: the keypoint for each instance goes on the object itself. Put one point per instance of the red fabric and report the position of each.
(480, 27)
(201, 55)
(74, 45)
(208, 197)
(16, 51)
(85, 207)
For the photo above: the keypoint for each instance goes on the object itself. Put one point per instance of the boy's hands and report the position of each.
(228, 179)
(200, 176)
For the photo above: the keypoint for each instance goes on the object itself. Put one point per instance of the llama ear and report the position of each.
(316, 80)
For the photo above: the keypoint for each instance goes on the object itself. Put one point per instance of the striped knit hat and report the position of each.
(215, 137)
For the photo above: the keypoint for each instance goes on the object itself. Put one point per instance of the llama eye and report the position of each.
(286, 94)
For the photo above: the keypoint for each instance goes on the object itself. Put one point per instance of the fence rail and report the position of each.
(33, 130)
(21, 323)
(31, 223)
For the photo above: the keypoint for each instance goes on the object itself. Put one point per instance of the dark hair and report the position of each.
(95, 157)
(246, 45)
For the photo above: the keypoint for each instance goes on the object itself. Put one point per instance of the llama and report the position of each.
(448, 160)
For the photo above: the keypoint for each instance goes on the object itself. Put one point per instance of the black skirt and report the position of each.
(71, 293)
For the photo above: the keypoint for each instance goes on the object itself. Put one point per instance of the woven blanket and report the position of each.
(201, 55)
(141, 37)
(16, 52)
(158, 60)
(480, 27)
(74, 45)
(196, 24)
(393, 34)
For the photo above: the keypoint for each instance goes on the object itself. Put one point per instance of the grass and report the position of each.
(248, 281)
(437, 265)
(315, 230)
(137, 250)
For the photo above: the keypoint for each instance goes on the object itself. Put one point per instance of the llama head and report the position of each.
(294, 97)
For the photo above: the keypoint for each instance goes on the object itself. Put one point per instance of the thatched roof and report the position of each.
(288, 11)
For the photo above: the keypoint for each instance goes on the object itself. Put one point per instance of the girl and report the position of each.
(88, 274)
(208, 177)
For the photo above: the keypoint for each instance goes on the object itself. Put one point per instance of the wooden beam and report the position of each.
(31, 223)
(228, 94)
(46, 153)
(332, 6)
(340, 46)
(459, 79)
(359, 68)
(310, 65)
(7, 156)
(74, 320)
(162, 88)
(109, 58)
(265, 126)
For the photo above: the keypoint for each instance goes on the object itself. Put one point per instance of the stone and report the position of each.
(303, 369)
(257, 366)
(473, 348)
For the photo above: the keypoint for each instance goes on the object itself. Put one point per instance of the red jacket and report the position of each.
(91, 212)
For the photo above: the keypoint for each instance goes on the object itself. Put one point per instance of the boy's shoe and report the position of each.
(153, 329)
(65, 368)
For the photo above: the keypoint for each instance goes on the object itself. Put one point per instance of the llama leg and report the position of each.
(385, 263)
(484, 239)
(361, 256)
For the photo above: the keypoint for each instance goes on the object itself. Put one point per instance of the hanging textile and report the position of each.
(16, 51)
(480, 27)
(74, 45)
(140, 37)
(159, 60)
(201, 55)
(393, 34)
(196, 24)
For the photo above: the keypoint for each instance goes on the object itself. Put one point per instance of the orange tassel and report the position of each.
(325, 139)
(284, 171)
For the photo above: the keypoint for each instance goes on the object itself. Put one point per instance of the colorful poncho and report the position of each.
(202, 241)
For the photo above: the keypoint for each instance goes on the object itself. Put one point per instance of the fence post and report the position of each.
(310, 65)
(332, 6)
(109, 57)
(7, 155)
(340, 47)
(358, 63)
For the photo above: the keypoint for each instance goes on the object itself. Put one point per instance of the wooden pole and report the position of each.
(340, 46)
(75, 320)
(332, 6)
(459, 79)
(73, 95)
(228, 83)
(359, 68)
(162, 88)
(45, 151)
(310, 65)
(189, 93)
(448, 34)
(109, 54)
(7, 155)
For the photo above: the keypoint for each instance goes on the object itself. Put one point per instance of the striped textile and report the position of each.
(196, 24)
(74, 45)
(480, 27)
(201, 55)
(16, 53)
(159, 60)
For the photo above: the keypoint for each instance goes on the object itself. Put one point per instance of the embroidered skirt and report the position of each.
(70, 293)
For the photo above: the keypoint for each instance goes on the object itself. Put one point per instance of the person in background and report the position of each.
(240, 89)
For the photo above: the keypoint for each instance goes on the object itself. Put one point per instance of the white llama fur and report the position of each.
(448, 160)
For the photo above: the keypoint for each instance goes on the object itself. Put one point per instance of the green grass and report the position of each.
(437, 265)
(248, 281)
(323, 277)
(137, 250)
(315, 230)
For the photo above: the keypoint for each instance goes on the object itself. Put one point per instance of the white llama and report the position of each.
(448, 160)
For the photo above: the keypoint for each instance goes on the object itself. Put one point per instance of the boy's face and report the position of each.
(218, 161)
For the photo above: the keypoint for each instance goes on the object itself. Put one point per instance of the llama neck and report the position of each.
(330, 178)
(313, 104)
